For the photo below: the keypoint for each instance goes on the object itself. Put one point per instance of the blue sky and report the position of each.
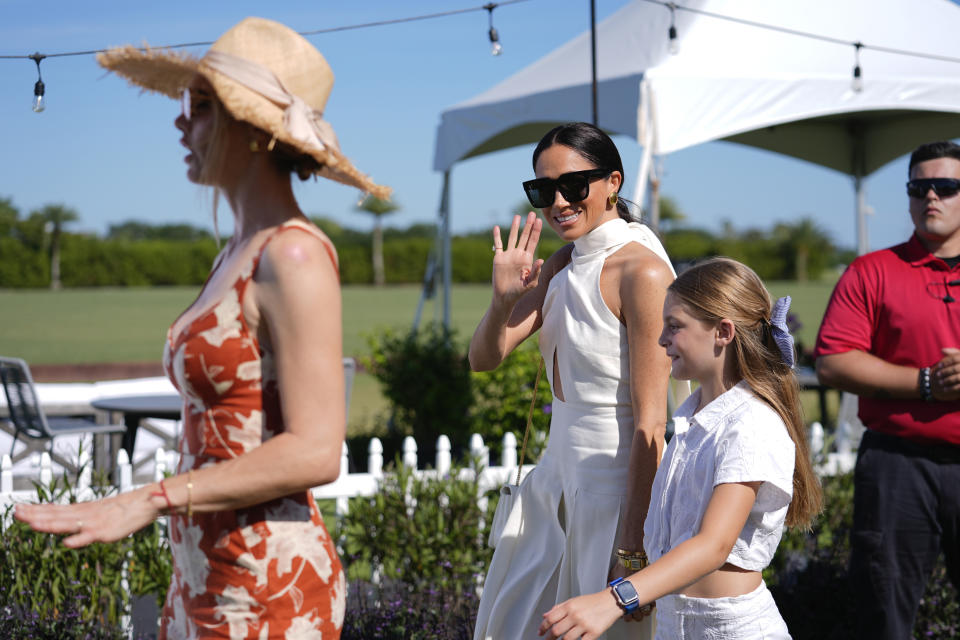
(113, 154)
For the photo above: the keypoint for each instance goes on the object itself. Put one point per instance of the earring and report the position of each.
(254, 145)
(612, 200)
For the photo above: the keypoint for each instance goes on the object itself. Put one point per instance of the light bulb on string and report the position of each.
(39, 90)
(495, 47)
(673, 44)
(857, 83)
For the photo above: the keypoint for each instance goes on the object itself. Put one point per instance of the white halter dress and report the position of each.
(572, 502)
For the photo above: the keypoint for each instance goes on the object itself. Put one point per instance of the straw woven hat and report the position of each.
(299, 67)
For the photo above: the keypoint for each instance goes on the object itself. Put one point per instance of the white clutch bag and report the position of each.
(509, 504)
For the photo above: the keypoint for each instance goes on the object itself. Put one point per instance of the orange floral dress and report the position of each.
(264, 572)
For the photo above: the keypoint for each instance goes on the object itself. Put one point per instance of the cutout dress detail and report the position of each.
(573, 500)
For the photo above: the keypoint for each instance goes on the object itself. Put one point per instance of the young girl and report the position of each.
(736, 470)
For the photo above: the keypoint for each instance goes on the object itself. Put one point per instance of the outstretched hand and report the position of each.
(514, 269)
(104, 520)
(585, 617)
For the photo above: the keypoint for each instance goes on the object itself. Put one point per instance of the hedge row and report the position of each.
(91, 261)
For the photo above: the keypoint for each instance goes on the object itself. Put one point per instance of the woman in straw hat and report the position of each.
(257, 357)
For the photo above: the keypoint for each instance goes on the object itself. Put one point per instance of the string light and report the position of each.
(39, 89)
(674, 44)
(804, 34)
(39, 100)
(495, 47)
(857, 84)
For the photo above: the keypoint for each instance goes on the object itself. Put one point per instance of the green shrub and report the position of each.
(42, 581)
(21, 623)
(397, 611)
(22, 267)
(150, 563)
(501, 402)
(426, 378)
(422, 531)
(808, 577)
(404, 259)
(471, 259)
(356, 266)
(39, 574)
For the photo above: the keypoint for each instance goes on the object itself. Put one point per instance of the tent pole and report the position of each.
(863, 243)
(860, 198)
(593, 59)
(445, 248)
(645, 129)
(437, 254)
(655, 203)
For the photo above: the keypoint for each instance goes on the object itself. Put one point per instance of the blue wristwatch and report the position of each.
(625, 594)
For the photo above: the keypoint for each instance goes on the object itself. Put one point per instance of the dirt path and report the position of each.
(92, 372)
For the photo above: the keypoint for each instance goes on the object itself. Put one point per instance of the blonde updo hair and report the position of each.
(286, 158)
(721, 288)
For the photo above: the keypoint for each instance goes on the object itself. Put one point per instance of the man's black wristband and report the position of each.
(926, 388)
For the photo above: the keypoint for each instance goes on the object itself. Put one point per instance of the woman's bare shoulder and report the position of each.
(640, 266)
(297, 257)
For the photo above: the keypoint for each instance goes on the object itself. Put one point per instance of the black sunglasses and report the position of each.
(943, 187)
(573, 186)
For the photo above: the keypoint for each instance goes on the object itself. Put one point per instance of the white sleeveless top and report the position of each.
(589, 341)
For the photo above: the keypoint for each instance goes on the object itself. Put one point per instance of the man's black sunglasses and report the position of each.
(943, 187)
(573, 186)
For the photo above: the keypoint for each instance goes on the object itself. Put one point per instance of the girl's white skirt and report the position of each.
(752, 616)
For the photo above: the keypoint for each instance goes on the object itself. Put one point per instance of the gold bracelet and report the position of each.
(634, 564)
(633, 560)
(190, 493)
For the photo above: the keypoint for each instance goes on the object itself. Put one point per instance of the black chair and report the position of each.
(29, 420)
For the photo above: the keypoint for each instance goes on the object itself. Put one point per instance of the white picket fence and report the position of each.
(347, 485)
(351, 485)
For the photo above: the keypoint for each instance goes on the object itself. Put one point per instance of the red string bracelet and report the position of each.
(165, 495)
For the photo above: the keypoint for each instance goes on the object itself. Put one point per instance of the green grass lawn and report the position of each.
(129, 325)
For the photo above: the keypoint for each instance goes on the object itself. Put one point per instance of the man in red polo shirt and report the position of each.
(891, 334)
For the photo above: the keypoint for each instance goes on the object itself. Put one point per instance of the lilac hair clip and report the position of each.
(780, 331)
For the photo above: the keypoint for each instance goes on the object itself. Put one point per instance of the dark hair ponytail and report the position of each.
(594, 146)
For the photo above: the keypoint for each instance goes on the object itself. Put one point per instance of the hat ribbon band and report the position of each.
(302, 122)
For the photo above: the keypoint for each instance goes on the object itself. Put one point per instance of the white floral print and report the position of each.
(264, 572)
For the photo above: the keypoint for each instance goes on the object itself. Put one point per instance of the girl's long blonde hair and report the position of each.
(720, 288)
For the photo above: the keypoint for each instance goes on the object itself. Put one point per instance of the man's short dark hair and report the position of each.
(932, 151)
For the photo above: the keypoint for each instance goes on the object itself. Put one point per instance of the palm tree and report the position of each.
(670, 214)
(809, 246)
(378, 208)
(54, 217)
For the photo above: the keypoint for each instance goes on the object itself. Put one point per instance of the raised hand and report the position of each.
(514, 269)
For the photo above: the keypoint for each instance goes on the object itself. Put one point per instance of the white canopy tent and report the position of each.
(748, 71)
